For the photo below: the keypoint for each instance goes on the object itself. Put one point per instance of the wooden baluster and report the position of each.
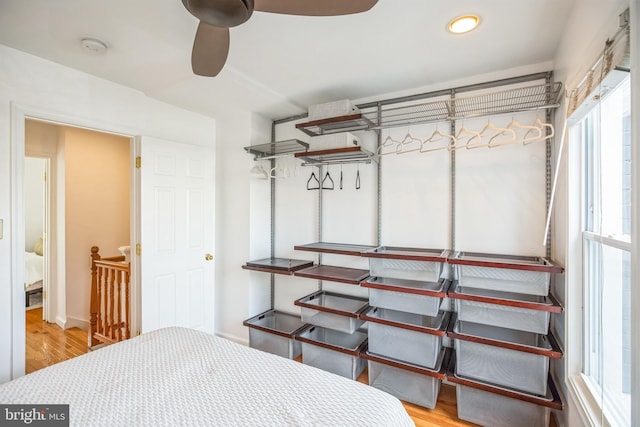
(93, 309)
(119, 297)
(127, 331)
(111, 313)
(100, 298)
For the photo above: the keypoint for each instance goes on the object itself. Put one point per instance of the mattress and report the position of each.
(33, 270)
(178, 376)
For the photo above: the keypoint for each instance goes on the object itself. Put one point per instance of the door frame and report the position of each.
(19, 113)
(48, 313)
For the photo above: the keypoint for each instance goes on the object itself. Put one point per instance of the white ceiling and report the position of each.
(280, 64)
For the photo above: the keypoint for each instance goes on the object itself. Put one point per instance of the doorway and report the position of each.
(35, 209)
(88, 203)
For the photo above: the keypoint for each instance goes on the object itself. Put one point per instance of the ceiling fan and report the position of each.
(211, 44)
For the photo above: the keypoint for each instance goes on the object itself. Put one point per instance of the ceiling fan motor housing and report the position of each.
(220, 13)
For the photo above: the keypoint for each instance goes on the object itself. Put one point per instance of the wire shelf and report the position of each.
(277, 149)
(506, 101)
(355, 154)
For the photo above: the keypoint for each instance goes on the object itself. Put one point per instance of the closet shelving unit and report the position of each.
(335, 248)
(269, 151)
(502, 338)
(350, 276)
(521, 94)
(348, 123)
(344, 155)
(535, 97)
(272, 150)
(277, 265)
(333, 310)
(530, 409)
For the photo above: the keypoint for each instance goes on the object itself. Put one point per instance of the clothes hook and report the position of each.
(310, 182)
(341, 177)
(358, 178)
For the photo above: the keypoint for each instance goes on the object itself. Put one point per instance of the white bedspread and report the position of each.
(33, 268)
(178, 376)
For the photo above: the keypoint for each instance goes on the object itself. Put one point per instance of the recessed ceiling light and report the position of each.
(463, 24)
(93, 45)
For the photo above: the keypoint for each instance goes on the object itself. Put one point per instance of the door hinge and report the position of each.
(138, 249)
(45, 176)
(138, 162)
(44, 294)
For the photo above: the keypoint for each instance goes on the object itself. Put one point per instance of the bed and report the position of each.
(33, 274)
(178, 376)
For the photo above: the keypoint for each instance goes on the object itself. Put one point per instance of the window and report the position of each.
(606, 229)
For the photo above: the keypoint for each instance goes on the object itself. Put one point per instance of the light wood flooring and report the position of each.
(48, 344)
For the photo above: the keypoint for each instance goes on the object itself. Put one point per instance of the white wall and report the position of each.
(42, 88)
(96, 197)
(237, 213)
(34, 169)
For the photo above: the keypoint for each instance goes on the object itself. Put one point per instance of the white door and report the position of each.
(177, 237)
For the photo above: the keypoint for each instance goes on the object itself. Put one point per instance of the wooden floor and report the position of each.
(48, 344)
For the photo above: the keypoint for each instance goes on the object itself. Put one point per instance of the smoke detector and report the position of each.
(93, 45)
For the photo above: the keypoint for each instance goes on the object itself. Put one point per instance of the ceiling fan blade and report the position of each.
(220, 13)
(210, 50)
(314, 7)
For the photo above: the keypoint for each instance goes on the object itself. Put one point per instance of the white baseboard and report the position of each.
(61, 321)
(233, 338)
(74, 322)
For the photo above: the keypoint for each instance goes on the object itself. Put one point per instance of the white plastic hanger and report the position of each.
(274, 172)
(408, 139)
(388, 142)
(533, 130)
(540, 125)
(258, 172)
(438, 136)
(469, 135)
(477, 143)
(505, 131)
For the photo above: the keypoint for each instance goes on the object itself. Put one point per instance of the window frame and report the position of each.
(583, 391)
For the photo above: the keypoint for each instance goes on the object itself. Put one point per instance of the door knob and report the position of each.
(208, 257)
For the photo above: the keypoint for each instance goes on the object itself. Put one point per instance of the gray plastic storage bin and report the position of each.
(274, 331)
(406, 263)
(522, 367)
(494, 410)
(408, 337)
(333, 351)
(332, 311)
(529, 313)
(406, 295)
(405, 381)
